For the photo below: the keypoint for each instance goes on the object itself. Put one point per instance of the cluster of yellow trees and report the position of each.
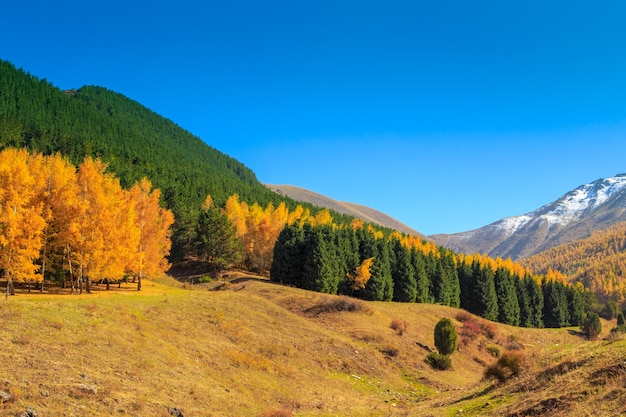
(57, 219)
(258, 228)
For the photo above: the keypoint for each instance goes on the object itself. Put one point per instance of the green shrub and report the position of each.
(439, 361)
(591, 325)
(445, 337)
(494, 350)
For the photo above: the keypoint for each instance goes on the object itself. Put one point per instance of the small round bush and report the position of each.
(439, 361)
(445, 337)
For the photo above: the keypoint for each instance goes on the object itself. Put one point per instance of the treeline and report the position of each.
(77, 225)
(598, 262)
(363, 263)
(135, 143)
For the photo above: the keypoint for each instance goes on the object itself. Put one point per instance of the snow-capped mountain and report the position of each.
(590, 207)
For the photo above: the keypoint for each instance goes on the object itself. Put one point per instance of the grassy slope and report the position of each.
(258, 348)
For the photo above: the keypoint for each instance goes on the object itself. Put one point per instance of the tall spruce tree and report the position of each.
(535, 300)
(380, 285)
(508, 305)
(288, 258)
(403, 274)
(555, 308)
(484, 292)
(216, 239)
(525, 312)
(422, 281)
(318, 271)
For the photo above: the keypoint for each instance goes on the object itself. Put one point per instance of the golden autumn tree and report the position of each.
(153, 224)
(57, 192)
(21, 221)
(361, 275)
(107, 233)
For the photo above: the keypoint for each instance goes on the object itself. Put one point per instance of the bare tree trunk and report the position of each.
(139, 281)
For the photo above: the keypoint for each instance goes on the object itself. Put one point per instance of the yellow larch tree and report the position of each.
(57, 192)
(153, 223)
(358, 279)
(107, 232)
(21, 220)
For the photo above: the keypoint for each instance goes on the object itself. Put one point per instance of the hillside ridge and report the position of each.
(362, 212)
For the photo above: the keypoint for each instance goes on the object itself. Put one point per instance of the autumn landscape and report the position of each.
(148, 273)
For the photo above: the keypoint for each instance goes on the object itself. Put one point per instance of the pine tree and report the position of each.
(508, 304)
(318, 273)
(484, 292)
(288, 258)
(403, 274)
(380, 285)
(555, 309)
(421, 277)
(535, 301)
(523, 303)
(216, 240)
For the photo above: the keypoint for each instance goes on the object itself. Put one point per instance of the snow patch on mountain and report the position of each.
(510, 224)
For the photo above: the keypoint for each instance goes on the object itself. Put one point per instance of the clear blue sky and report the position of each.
(447, 115)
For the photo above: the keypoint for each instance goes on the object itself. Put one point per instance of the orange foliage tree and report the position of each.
(21, 220)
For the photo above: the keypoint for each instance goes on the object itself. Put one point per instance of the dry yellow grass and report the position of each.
(259, 349)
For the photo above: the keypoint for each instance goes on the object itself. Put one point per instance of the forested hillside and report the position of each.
(134, 141)
(598, 262)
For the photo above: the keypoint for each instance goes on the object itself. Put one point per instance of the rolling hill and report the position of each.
(259, 349)
(367, 214)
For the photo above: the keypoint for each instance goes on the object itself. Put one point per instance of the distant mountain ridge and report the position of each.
(590, 207)
(365, 213)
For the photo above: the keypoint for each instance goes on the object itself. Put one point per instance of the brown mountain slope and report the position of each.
(362, 212)
(598, 261)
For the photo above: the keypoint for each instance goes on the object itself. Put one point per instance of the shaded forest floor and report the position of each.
(244, 346)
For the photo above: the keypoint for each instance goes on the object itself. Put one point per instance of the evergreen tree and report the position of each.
(575, 304)
(318, 272)
(422, 282)
(591, 325)
(380, 285)
(508, 304)
(216, 239)
(535, 301)
(288, 258)
(466, 284)
(523, 300)
(555, 309)
(484, 292)
(403, 274)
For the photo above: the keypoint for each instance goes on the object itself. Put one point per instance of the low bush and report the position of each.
(338, 304)
(510, 364)
(399, 326)
(494, 350)
(439, 361)
(470, 331)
